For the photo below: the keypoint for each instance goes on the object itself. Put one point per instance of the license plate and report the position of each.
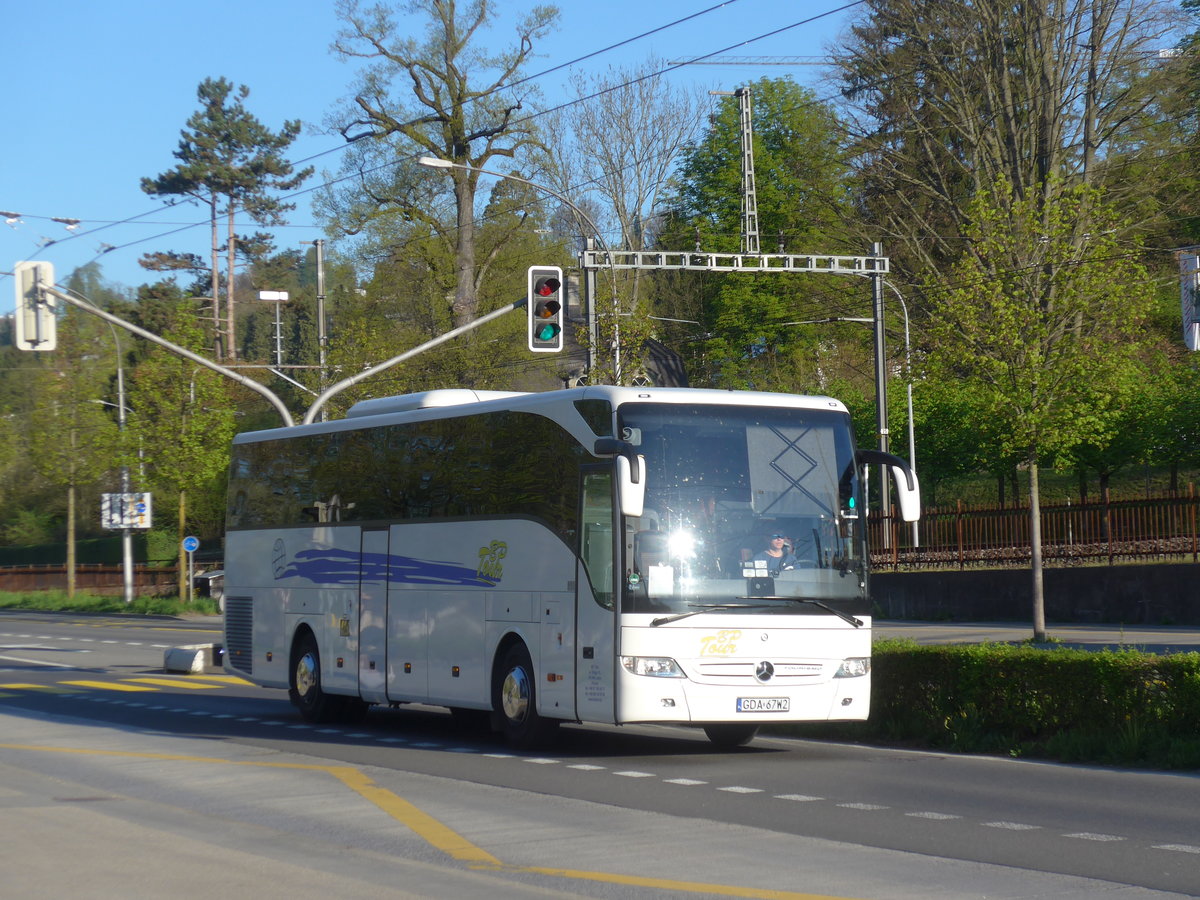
(763, 704)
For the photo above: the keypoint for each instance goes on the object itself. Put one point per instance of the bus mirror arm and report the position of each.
(908, 489)
(631, 485)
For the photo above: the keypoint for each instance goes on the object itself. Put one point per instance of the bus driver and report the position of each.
(777, 554)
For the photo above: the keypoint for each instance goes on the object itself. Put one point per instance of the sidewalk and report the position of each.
(1162, 639)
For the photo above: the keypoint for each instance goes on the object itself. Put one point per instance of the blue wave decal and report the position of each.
(347, 567)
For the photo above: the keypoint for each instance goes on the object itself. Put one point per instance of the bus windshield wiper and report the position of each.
(845, 616)
(709, 607)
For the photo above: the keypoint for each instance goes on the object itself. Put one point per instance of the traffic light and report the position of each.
(35, 321)
(545, 310)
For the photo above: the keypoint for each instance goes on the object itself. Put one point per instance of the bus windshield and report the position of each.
(741, 503)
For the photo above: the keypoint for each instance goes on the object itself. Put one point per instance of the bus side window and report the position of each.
(596, 535)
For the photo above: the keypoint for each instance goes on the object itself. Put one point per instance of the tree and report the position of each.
(952, 96)
(228, 160)
(803, 200)
(627, 130)
(1044, 319)
(184, 418)
(463, 108)
(72, 440)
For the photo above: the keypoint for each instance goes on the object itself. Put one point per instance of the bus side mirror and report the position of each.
(631, 474)
(908, 490)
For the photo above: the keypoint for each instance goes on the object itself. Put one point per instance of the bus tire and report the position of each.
(726, 737)
(306, 691)
(514, 700)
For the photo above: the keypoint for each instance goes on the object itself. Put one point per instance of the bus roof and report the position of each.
(450, 402)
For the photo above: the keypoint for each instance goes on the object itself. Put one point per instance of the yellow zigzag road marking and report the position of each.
(175, 682)
(441, 836)
(45, 688)
(223, 679)
(191, 683)
(110, 686)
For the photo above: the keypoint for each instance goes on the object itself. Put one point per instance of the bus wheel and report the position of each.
(514, 697)
(726, 737)
(310, 698)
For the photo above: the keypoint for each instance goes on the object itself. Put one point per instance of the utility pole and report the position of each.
(322, 337)
(749, 192)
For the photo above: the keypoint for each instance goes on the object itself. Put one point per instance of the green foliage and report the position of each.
(1042, 320)
(802, 189)
(60, 601)
(28, 527)
(183, 416)
(1122, 706)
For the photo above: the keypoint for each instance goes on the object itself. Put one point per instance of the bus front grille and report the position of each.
(239, 633)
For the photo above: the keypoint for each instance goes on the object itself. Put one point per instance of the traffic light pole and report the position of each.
(315, 408)
(176, 349)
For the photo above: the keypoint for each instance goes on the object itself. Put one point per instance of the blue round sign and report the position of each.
(191, 544)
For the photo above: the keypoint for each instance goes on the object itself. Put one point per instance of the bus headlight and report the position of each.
(854, 667)
(658, 666)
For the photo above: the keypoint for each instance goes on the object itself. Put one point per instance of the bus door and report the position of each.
(595, 598)
(372, 615)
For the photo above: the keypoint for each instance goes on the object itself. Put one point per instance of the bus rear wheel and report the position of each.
(514, 701)
(726, 737)
(306, 692)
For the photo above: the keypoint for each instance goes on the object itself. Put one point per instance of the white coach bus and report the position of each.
(585, 555)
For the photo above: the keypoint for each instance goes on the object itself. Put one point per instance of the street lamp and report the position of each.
(435, 162)
(912, 446)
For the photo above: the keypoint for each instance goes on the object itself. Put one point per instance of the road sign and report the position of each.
(191, 544)
(34, 322)
(121, 511)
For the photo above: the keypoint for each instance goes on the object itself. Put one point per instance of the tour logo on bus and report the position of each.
(723, 643)
(490, 567)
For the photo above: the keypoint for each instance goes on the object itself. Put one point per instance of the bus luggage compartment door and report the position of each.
(372, 616)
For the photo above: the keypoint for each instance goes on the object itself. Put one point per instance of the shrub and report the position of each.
(1112, 706)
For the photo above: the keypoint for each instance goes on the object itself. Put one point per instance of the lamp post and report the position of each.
(435, 162)
(912, 446)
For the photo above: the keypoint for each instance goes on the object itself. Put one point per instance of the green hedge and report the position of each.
(1115, 707)
(155, 548)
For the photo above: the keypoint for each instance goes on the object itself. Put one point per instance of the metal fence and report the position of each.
(96, 579)
(1154, 527)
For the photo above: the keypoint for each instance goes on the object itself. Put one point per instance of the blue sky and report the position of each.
(97, 93)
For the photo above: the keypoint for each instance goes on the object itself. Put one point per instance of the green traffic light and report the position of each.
(546, 332)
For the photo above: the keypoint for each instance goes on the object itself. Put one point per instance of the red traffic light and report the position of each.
(544, 304)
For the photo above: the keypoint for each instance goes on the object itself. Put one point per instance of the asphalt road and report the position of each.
(130, 783)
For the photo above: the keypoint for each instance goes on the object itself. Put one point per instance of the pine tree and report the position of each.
(229, 160)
